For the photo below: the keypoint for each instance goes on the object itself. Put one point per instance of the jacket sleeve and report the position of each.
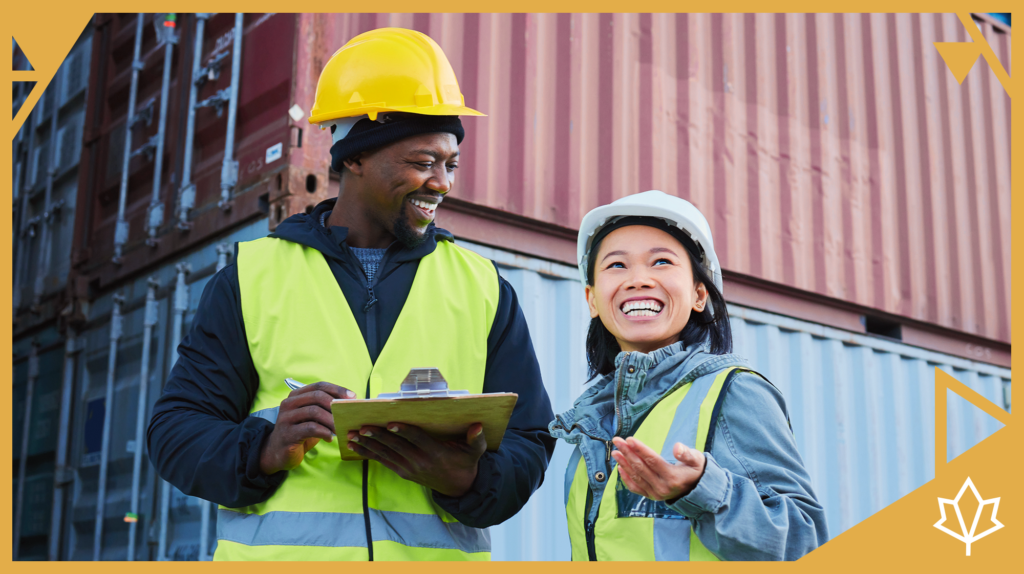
(200, 436)
(754, 501)
(506, 478)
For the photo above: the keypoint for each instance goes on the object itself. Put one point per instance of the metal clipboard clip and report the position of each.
(423, 384)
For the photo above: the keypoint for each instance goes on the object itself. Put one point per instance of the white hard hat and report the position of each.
(675, 211)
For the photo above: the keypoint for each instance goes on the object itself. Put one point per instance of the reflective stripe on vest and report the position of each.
(629, 526)
(299, 325)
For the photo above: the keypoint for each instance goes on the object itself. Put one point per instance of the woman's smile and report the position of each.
(641, 308)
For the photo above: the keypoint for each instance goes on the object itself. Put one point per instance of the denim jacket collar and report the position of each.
(616, 403)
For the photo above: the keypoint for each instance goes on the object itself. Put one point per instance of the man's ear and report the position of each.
(354, 164)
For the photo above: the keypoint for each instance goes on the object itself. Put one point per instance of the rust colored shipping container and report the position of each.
(834, 155)
(269, 171)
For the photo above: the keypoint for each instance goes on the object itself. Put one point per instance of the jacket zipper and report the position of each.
(588, 524)
(371, 339)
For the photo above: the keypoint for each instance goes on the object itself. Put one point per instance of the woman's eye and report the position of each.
(616, 265)
(663, 261)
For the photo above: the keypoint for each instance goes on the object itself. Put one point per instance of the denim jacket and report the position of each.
(754, 500)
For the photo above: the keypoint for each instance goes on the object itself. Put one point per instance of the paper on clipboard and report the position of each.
(426, 401)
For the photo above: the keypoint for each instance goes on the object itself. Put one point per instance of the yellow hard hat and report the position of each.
(388, 70)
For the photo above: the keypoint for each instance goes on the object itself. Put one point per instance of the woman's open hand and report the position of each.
(644, 472)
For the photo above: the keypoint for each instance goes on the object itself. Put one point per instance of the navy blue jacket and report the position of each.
(202, 440)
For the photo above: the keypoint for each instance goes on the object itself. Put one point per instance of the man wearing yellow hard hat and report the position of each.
(345, 301)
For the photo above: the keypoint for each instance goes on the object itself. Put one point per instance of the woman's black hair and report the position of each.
(710, 326)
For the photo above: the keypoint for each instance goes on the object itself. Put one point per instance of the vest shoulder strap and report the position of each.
(733, 372)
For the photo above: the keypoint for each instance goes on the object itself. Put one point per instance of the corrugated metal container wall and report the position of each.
(45, 161)
(183, 526)
(42, 440)
(862, 407)
(833, 153)
(45, 217)
(265, 91)
(90, 409)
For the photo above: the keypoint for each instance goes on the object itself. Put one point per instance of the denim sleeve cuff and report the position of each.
(483, 488)
(709, 495)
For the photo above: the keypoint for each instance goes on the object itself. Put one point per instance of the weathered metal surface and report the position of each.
(831, 153)
(265, 96)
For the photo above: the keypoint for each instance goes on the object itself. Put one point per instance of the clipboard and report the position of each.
(425, 401)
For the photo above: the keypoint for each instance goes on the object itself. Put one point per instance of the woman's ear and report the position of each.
(591, 300)
(701, 299)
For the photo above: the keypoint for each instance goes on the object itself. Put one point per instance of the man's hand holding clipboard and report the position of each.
(425, 433)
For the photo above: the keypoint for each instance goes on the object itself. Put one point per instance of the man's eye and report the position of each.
(453, 166)
(426, 164)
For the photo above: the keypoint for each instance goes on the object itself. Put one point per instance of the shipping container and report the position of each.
(833, 154)
(839, 164)
(45, 160)
(189, 205)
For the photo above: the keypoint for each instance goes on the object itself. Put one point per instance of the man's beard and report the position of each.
(406, 235)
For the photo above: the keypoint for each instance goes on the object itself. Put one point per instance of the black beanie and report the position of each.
(389, 128)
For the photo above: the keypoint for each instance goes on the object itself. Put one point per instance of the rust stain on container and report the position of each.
(831, 153)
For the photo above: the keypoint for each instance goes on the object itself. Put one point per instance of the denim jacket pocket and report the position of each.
(632, 505)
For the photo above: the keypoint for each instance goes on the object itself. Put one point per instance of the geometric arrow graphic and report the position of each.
(945, 381)
(959, 57)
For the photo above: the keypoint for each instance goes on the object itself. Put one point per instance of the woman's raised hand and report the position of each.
(644, 472)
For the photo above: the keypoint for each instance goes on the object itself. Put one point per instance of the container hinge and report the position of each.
(53, 211)
(63, 476)
(186, 202)
(116, 319)
(210, 71)
(145, 114)
(181, 288)
(216, 101)
(228, 180)
(156, 215)
(150, 318)
(121, 233)
(148, 149)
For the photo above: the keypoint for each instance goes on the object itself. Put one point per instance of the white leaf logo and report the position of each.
(968, 536)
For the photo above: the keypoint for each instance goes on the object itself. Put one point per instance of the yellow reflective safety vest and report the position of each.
(629, 526)
(298, 324)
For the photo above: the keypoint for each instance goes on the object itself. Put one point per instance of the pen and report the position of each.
(293, 385)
